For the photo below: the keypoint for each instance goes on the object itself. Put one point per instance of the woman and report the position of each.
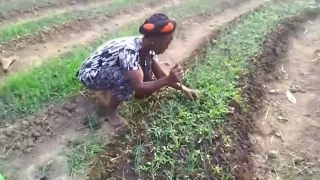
(125, 66)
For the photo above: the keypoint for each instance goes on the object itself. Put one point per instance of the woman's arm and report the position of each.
(144, 89)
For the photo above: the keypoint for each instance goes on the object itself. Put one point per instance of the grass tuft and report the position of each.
(81, 154)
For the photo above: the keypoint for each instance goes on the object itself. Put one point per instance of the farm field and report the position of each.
(255, 64)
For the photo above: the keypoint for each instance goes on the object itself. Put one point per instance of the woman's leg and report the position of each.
(104, 98)
(120, 90)
(112, 112)
(109, 107)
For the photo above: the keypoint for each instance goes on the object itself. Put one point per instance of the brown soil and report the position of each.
(33, 142)
(42, 138)
(286, 135)
(53, 12)
(49, 8)
(34, 50)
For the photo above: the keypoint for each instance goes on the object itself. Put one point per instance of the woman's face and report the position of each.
(161, 44)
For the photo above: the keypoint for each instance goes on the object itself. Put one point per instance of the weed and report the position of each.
(81, 153)
(45, 169)
(93, 121)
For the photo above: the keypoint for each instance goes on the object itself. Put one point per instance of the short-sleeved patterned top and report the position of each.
(122, 53)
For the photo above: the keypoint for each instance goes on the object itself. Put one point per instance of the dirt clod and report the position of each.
(30, 142)
(10, 132)
(296, 89)
(3, 139)
(70, 107)
(272, 155)
(36, 134)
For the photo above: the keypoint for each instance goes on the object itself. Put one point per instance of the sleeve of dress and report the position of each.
(129, 59)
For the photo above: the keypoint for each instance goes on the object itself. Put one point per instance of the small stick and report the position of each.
(281, 135)
(11, 149)
(266, 115)
(81, 92)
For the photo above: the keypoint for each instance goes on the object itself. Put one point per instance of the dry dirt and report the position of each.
(39, 140)
(51, 8)
(288, 135)
(34, 50)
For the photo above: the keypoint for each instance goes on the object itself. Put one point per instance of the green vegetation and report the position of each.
(27, 93)
(81, 153)
(93, 121)
(176, 142)
(25, 28)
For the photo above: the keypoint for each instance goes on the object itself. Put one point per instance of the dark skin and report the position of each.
(144, 89)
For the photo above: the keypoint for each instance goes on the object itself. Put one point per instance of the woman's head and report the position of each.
(158, 32)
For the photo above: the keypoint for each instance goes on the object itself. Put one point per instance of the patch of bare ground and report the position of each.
(283, 105)
(53, 12)
(48, 8)
(34, 50)
(33, 142)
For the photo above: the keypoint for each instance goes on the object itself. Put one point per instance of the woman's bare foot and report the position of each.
(114, 119)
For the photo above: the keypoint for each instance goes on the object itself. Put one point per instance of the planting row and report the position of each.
(13, 31)
(175, 139)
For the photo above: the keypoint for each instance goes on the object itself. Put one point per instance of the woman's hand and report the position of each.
(176, 74)
(190, 93)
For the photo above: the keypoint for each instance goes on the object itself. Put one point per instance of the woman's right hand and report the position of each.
(176, 74)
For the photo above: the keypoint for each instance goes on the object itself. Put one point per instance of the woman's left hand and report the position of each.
(190, 93)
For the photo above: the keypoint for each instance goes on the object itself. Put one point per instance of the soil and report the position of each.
(286, 132)
(39, 140)
(34, 50)
(49, 8)
(31, 143)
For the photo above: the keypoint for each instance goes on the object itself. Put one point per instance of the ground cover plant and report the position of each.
(81, 153)
(27, 93)
(13, 31)
(173, 138)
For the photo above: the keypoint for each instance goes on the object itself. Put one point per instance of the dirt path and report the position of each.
(44, 9)
(63, 8)
(290, 139)
(80, 33)
(33, 143)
